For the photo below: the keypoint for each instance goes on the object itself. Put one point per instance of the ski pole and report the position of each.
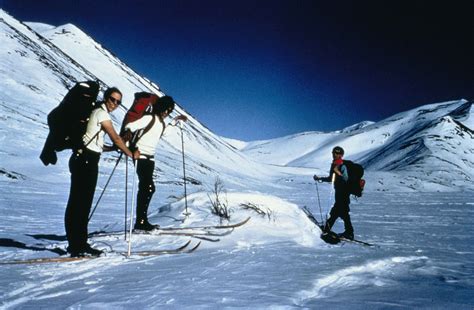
(319, 202)
(135, 162)
(105, 187)
(126, 189)
(126, 197)
(186, 213)
(331, 192)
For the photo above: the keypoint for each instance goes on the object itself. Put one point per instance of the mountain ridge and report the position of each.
(38, 68)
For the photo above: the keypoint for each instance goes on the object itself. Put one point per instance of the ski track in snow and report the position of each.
(53, 279)
(374, 273)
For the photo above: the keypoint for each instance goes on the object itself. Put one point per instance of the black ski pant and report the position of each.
(84, 171)
(146, 187)
(340, 210)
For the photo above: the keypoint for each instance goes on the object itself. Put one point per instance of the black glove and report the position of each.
(316, 178)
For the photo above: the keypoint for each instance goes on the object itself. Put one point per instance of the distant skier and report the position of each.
(150, 128)
(83, 166)
(338, 174)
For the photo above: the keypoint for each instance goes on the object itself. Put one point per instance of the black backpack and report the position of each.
(356, 183)
(68, 121)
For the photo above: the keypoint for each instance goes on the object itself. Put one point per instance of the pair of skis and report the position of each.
(331, 237)
(203, 233)
(199, 232)
(61, 259)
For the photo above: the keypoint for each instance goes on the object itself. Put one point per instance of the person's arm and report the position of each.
(139, 123)
(108, 127)
(322, 179)
(325, 179)
(344, 173)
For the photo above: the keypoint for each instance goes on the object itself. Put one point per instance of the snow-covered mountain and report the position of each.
(37, 68)
(434, 143)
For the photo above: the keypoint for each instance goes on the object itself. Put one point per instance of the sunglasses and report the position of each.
(115, 100)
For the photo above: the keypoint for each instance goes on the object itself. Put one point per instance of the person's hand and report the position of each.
(127, 136)
(181, 117)
(316, 178)
(136, 154)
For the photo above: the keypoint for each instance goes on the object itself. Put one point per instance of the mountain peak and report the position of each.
(357, 126)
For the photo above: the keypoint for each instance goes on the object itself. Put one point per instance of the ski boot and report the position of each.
(145, 225)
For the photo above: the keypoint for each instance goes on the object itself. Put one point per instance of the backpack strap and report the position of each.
(148, 127)
(93, 137)
(144, 131)
(164, 126)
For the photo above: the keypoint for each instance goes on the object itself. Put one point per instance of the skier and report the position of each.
(149, 129)
(339, 175)
(83, 166)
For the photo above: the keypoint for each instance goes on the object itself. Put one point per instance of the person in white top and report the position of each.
(83, 166)
(148, 131)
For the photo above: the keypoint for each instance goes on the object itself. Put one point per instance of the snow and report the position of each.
(238, 144)
(417, 207)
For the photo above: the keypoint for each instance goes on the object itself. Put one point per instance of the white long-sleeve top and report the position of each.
(148, 142)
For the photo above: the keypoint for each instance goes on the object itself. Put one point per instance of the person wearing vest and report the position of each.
(339, 175)
(147, 131)
(83, 166)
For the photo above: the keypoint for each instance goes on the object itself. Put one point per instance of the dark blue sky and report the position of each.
(264, 69)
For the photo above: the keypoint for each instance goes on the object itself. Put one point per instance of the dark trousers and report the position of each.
(340, 210)
(84, 171)
(146, 187)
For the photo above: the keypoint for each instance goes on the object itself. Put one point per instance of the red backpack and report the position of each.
(142, 104)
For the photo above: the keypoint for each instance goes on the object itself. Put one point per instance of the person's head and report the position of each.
(164, 106)
(112, 98)
(337, 152)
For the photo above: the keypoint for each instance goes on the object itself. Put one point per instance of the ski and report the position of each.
(197, 233)
(193, 235)
(206, 227)
(331, 237)
(312, 218)
(356, 241)
(163, 252)
(63, 259)
(58, 259)
(202, 235)
(207, 238)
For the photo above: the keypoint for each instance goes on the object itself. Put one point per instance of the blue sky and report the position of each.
(255, 70)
